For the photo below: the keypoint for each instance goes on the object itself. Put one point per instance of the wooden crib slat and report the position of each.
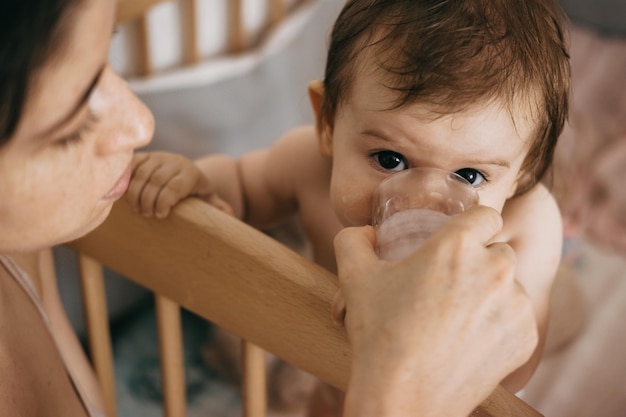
(171, 356)
(236, 34)
(128, 10)
(277, 11)
(143, 46)
(254, 380)
(189, 32)
(94, 297)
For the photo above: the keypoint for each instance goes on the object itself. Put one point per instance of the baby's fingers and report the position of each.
(155, 182)
(143, 166)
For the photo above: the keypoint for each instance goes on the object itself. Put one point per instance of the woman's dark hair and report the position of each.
(30, 30)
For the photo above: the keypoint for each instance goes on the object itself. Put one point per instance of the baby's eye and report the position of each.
(390, 161)
(473, 176)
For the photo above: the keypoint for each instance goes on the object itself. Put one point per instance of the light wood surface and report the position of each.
(254, 380)
(236, 33)
(128, 10)
(189, 27)
(98, 334)
(277, 11)
(171, 357)
(143, 46)
(244, 281)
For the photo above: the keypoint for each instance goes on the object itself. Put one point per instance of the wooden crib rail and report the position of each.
(244, 281)
(135, 14)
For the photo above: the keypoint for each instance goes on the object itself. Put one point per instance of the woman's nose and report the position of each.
(126, 122)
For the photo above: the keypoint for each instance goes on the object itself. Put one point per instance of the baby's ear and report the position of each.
(324, 131)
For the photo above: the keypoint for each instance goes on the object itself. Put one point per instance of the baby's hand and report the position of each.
(160, 180)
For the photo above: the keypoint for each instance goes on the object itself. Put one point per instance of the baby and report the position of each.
(476, 87)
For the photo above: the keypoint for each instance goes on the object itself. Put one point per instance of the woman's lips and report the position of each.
(120, 186)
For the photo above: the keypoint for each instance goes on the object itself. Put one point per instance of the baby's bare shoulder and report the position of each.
(298, 153)
(535, 211)
(532, 224)
(300, 142)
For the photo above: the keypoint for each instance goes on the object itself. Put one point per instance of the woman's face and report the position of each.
(69, 159)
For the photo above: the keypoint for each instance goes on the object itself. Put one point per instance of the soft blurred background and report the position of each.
(239, 81)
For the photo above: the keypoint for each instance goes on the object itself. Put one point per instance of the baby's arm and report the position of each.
(535, 232)
(269, 180)
(260, 187)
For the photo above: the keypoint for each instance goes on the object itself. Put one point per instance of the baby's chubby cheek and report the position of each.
(352, 209)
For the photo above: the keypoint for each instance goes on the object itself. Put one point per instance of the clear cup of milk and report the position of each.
(412, 204)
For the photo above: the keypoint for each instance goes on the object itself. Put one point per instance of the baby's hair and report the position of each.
(450, 55)
(32, 30)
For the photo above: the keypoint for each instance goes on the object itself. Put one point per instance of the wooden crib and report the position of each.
(223, 270)
(239, 37)
(236, 277)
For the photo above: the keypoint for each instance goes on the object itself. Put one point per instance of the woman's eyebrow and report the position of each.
(79, 104)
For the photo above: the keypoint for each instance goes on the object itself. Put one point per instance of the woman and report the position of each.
(68, 128)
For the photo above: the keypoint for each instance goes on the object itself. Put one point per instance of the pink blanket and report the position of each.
(590, 160)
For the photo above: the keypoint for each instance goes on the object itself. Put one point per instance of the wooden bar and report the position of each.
(277, 11)
(188, 14)
(98, 332)
(254, 380)
(171, 356)
(128, 10)
(236, 34)
(143, 46)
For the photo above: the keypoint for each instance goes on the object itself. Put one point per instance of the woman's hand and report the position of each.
(434, 334)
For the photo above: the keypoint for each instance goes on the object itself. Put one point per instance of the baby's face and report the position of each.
(485, 143)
